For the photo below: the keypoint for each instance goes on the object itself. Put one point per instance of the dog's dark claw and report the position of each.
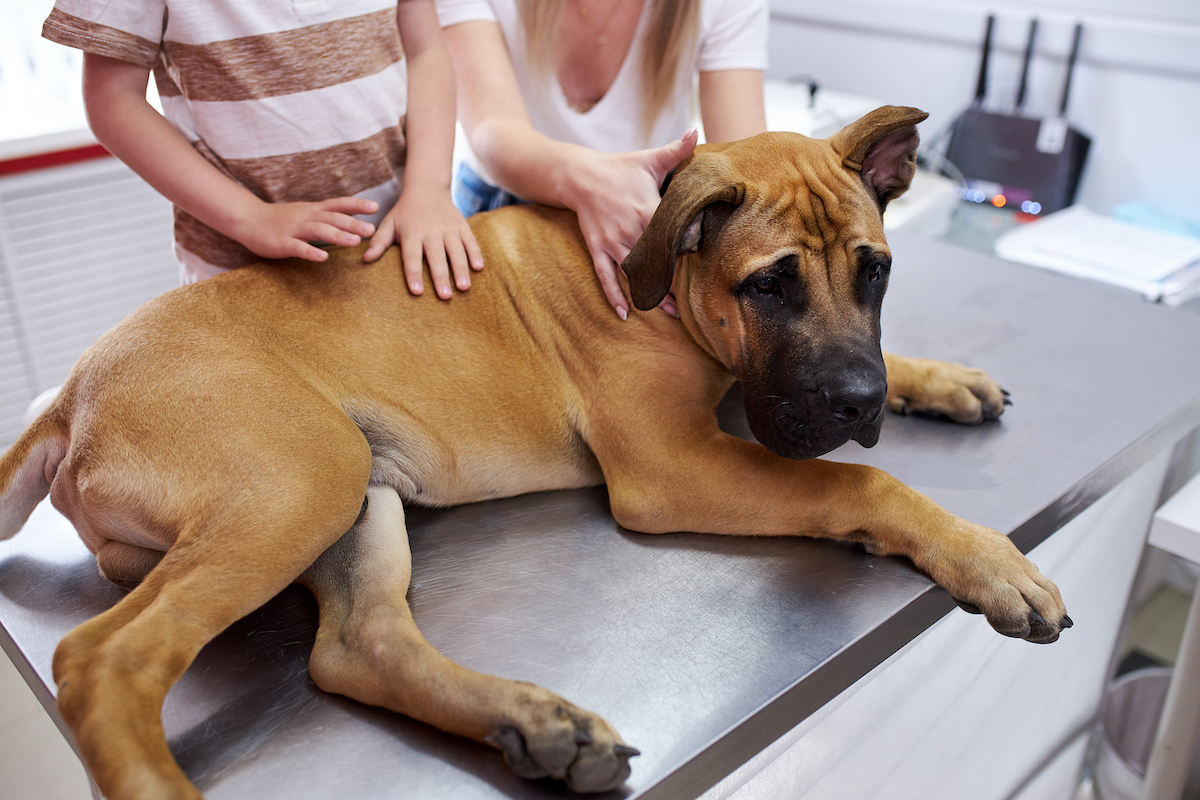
(1036, 619)
(602, 770)
(582, 737)
(1067, 622)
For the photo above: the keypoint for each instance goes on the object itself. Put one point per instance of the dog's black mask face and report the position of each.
(777, 252)
(811, 368)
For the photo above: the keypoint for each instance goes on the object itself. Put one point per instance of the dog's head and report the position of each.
(784, 266)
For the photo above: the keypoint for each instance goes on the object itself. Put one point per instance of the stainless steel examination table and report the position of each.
(704, 650)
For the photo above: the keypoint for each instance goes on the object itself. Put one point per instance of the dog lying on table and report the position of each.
(268, 426)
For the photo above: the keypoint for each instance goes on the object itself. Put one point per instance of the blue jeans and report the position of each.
(472, 194)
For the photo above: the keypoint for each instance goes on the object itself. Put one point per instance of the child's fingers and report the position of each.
(350, 206)
(456, 253)
(347, 224)
(439, 270)
(326, 232)
(474, 254)
(382, 240)
(296, 248)
(410, 258)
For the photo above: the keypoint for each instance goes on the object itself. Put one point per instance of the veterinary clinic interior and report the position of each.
(1050, 237)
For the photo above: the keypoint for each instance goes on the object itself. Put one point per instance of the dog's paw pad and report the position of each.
(585, 753)
(516, 753)
(1016, 599)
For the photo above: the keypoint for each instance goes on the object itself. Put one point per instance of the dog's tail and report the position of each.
(27, 468)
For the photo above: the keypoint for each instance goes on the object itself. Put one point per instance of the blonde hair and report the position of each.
(671, 35)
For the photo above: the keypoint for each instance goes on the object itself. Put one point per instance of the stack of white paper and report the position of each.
(1159, 265)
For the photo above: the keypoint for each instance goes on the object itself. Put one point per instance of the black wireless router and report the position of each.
(1014, 161)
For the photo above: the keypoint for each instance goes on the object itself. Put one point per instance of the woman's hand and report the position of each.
(615, 196)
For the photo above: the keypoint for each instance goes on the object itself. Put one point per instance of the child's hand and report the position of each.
(431, 227)
(286, 230)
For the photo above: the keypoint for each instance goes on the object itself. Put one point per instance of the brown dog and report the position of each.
(267, 426)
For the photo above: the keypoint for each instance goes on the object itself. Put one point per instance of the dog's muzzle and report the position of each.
(815, 419)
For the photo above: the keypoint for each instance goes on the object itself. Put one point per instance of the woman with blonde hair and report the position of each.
(583, 104)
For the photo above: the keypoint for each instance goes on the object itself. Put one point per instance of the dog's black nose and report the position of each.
(854, 398)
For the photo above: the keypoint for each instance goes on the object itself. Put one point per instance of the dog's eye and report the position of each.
(767, 285)
(875, 272)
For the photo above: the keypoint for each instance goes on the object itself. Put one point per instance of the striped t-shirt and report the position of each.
(297, 101)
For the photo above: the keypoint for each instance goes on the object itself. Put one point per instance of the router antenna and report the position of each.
(981, 86)
(1062, 106)
(1025, 63)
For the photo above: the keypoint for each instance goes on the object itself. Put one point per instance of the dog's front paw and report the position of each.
(990, 576)
(560, 740)
(940, 388)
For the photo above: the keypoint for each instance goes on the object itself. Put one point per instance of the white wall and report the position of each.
(1136, 88)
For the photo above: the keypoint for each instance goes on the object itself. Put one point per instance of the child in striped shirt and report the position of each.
(286, 123)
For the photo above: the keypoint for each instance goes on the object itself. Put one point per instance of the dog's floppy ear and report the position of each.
(882, 147)
(675, 227)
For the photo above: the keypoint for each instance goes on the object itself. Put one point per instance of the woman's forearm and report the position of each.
(732, 104)
(493, 116)
(529, 164)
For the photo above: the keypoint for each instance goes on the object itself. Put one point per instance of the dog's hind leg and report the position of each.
(232, 554)
(369, 648)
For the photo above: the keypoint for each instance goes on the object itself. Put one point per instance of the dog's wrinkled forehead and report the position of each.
(782, 184)
(796, 195)
(828, 197)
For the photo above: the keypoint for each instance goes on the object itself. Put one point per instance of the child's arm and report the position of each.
(131, 129)
(425, 220)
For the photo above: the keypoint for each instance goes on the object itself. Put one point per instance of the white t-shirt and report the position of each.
(733, 35)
